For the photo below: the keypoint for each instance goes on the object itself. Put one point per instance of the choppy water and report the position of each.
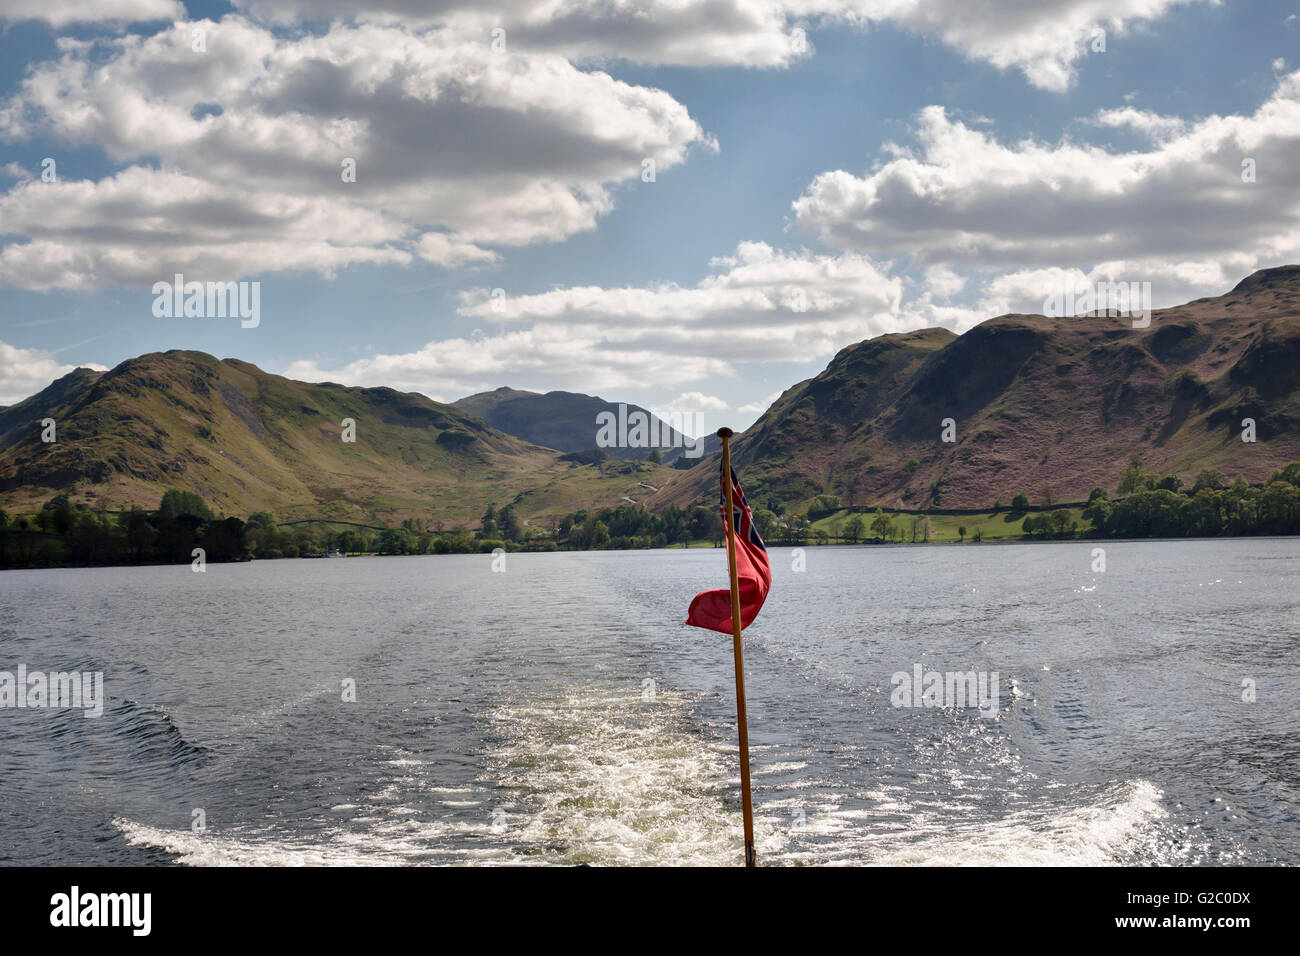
(558, 712)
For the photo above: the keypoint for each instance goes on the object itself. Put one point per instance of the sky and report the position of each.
(686, 204)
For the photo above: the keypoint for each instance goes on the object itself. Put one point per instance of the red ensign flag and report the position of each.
(712, 609)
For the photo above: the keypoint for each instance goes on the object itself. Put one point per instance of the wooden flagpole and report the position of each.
(725, 434)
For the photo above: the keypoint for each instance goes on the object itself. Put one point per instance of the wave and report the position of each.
(1108, 831)
(207, 849)
(585, 775)
(152, 735)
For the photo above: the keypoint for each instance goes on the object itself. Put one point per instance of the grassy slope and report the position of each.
(994, 527)
(247, 441)
(1040, 404)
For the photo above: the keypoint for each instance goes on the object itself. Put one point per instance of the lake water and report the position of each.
(558, 712)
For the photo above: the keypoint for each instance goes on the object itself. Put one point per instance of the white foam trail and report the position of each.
(209, 849)
(588, 776)
(591, 777)
(1094, 834)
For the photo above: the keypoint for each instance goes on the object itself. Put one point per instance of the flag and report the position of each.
(712, 609)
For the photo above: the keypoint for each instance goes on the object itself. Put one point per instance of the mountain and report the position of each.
(1040, 405)
(247, 441)
(483, 404)
(568, 421)
(1047, 406)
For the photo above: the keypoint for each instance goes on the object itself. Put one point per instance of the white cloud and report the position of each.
(24, 372)
(551, 356)
(760, 406)
(643, 336)
(753, 33)
(441, 250)
(1042, 38)
(61, 13)
(1152, 125)
(1176, 213)
(456, 148)
(142, 225)
(688, 403)
(943, 282)
(763, 305)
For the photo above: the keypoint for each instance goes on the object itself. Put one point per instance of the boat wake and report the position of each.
(585, 775)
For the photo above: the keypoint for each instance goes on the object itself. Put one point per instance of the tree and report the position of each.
(176, 503)
(508, 524)
(1133, 478)
(961, 532)
(1290, 474)
(395, 541)
(349, 542)
(488, 525)
(881, 525)
(825, 504)
(853, 528)
(765, 521)
(57, 513)
(1212, 479)
(60, 510)
(1020, 502)
(260, 521)
(1169, 483)
(655, 457)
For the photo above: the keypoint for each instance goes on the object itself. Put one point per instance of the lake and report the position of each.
(558, 712)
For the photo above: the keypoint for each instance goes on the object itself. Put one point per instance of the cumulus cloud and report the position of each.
(61, 13)
(550, 356)
(143, 224)
(760, 406)
(1044, 39)
(943, 282)
(756, 33)
(24, 372)
(761, 305)
(442, 250)
(1152, 125)
(688, 403)
(1178, 212)
(454, 147)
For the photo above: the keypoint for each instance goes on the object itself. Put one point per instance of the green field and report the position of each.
(993, 526)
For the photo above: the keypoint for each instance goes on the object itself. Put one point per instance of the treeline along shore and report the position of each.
(184, 526)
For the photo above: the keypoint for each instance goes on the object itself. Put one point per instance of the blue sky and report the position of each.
(1020, 161)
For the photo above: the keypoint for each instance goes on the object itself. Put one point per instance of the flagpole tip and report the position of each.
(725, 432)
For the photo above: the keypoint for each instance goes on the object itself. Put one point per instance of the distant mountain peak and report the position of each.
(565, 421)
(1279, 277)
(1041, 405)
